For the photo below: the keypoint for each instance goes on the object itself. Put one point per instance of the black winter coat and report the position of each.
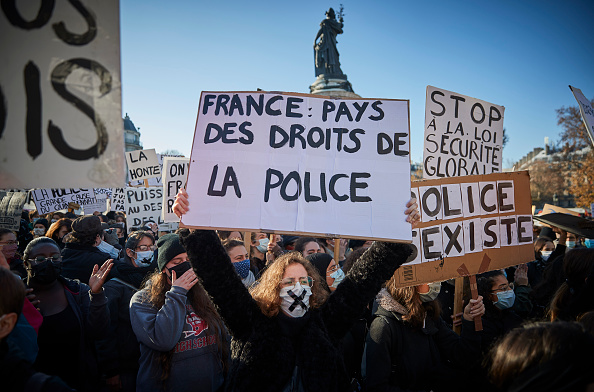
(401, 358)
(78, 261)
(262, 358)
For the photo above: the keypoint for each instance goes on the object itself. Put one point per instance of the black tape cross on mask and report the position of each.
(298, 300)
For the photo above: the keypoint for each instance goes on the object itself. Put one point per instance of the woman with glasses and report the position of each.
(183, 343)
(9, 246)
(119, 352)
(286, 335)
(74, 316)
(327, 268)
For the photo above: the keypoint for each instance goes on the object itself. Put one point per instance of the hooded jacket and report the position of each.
(263, 357)
(399, 357)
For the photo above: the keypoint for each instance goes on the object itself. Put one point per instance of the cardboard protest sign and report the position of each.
(586, 110)
(50, 200)
(465, 218)
(297, 163)
(463, 135)
(551, 209)
(142, 164)
(60, 95)
(11, 207)
(143, 206)
(174, 178)
(118, 199)
(97, 205)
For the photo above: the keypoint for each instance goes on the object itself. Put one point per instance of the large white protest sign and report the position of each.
(463, 135)
(60, 94)
(143, 206)
(11, 207)
(175, 172)
(118, 199)
(142, 164)
(50, 200)
(301, 164)
(586, 111)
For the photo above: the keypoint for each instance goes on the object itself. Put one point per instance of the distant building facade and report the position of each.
(131, 135)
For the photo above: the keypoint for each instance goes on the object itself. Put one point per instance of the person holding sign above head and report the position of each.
(183, 344)
(409, 346)
(286, 335)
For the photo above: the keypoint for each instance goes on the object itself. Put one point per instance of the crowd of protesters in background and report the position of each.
(89, 304)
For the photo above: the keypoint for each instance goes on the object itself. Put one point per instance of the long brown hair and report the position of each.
(158, 286)
(267, 292)
(409, 298)
(52, 232)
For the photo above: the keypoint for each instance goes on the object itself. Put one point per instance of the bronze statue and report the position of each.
(325, 51)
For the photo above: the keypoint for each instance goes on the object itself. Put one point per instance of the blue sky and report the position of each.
(519, 54)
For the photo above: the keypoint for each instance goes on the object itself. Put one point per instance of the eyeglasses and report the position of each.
(41, 259)
(144, 248)
(332, 269)
(507, 287)
(303, 281)
(8, 243)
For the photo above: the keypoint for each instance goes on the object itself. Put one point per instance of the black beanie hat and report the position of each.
(321, 261)
(169, 247)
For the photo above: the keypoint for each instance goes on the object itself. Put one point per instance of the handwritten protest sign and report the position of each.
(50, 200)
(463, 135)
(118, 199)
(297, 163)
(143, 206)
(60, 95)
(174, 178)
(142, 164)
(11, 207)
(586, 110)
(97, 205)
(102, 193)
(465, 218)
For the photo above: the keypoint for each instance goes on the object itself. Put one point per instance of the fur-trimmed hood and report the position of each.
(386, 301)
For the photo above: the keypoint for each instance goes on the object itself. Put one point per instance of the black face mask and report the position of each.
(180, 269)
(45, 273)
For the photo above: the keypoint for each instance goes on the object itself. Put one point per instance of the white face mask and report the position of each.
(39, 231)
(338, 276)
(295, 300)
(431, 295)
(545, 254)
(144, 259)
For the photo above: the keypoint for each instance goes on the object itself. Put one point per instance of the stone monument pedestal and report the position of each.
(334, 86)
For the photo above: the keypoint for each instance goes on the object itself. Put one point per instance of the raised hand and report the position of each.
(186, 281)
(181, 204)
(521, 275)
(412, 212)
(99, 275)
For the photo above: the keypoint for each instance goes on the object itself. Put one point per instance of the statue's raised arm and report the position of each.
(325, 51)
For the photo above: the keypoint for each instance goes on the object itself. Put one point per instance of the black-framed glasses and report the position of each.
(332, 269)
(41, 259)
(306, 281)
(507, 287)
(9, 243)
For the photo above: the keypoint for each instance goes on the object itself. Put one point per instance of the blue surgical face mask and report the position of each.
(589, 243)
(144, 259)
(263, 246)
(545, 254)
(505, 299)
(109, 249)
(338, 276)
(242, 268)
(570, 244)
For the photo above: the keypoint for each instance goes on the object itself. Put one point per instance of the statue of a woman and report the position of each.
(325, 52)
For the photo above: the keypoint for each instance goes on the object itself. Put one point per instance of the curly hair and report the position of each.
(409, 298)
(267, 292)
(158, 286)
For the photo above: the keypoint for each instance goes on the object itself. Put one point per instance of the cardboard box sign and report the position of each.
(463, 218)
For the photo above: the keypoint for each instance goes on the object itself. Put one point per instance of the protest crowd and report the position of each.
(89, 305)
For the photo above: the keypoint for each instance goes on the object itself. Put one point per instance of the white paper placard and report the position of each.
(175, 173)
(586, 110)
(118, 199)
(50, 200)
(463, 135)
(98, 205)
(143, 206)
(142, 164)
(60, 95)
(302, 164)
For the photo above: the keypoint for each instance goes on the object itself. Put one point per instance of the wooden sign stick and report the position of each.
(247, 241)
(269, 254)
(336, 250)
(463, 271)
(146, 183)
